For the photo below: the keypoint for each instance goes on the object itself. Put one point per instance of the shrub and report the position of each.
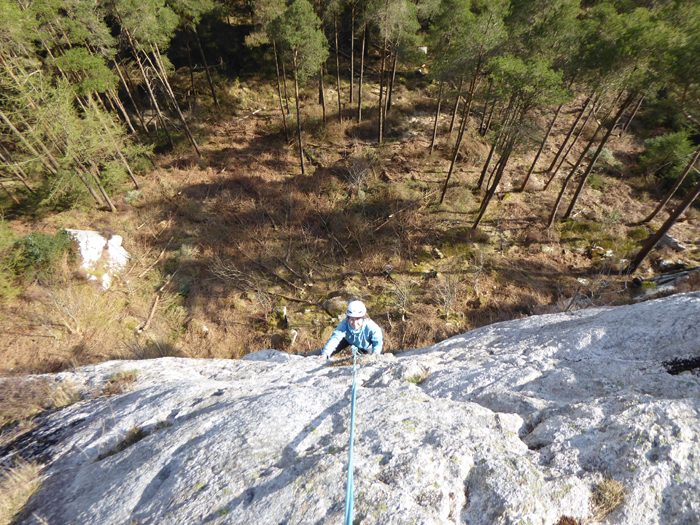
(8, 290)
(607, 161)
(39, 253)
(665, 157)
(637, 233)
(17, 484)
(612, 218)
(606, 497)
(597, 182)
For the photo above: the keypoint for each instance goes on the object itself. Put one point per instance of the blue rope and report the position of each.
(349, 498)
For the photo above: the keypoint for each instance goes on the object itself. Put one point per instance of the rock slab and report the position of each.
(513, 423)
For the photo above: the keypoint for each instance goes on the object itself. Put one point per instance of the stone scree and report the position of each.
(513, 423)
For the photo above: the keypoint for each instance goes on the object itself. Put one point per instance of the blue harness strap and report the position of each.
(349, 498)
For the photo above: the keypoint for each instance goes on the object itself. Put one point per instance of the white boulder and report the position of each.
(101, 258)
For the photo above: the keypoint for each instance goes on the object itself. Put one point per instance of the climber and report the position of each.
(356, 330)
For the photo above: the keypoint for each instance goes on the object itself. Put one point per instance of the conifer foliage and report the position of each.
(299, 35)
(85, 87)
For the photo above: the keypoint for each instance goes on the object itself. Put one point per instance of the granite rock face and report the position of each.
(514, 423)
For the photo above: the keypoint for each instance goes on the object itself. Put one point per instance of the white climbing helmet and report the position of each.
(356, 309)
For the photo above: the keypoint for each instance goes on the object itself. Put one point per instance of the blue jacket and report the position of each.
(370, 335)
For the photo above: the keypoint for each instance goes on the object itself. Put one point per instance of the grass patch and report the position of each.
(607, 495)
(119, 383)
(638, 233)
(132, 437)
(419, 377)
(22, 399)
(17, 484)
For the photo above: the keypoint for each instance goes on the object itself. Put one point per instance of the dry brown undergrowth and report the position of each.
(17, 484)
(22, 399)
(607, 496)
(363, 222)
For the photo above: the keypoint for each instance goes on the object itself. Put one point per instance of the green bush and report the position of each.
(8, 289)
(580, 227)
(608, 162)
(637, 233)
(661, 111)
(597, 182)
(37, 254)
(666, 156)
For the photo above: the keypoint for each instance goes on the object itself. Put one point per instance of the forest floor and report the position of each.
(254, 253)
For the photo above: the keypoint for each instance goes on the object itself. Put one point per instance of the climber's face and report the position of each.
(356, 322)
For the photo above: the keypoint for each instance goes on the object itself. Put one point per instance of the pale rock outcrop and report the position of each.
(102, 258)
(513, 423)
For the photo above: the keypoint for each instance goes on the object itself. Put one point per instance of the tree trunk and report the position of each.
(16, 169)
(81, 172)
(568, 150)
(387, 96)
(488, 121)
(380, 134)
(337, 69)
(455, 153)
(352, 54)
(571, 147)
(391, 85)
(501, 139)
(457, 100)
(568, 135)
(486, 106)
(193, 92)
(437, 116)
(115, 101)
(472, 91)
(555, 208)
(148, 86)
(27, 145)
(539, 151)
(95, 174)
(321, 93)
(503, 161)
(206, 68)
(117, 149)
(14, 199)
(279, 91)
(582, 182)
(487, 164)
(284, 83)
(653, 241)
(164, 74)
(296, 98)
(634, 112)
(133, 102)
(473, 84)
(362, 71)
(677, 185)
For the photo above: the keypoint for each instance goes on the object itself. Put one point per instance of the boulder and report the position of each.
(102, 258)
(516, 422)
(671, 242)
(336, 306)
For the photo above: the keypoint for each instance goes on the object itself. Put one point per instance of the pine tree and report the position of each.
(299, 33)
